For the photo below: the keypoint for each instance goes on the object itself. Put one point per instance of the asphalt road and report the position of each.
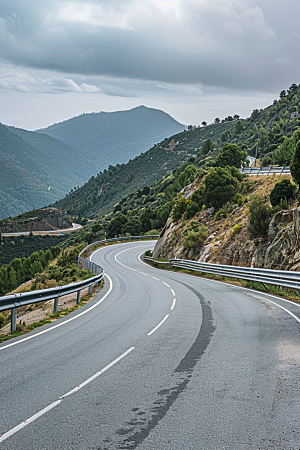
(157, 361)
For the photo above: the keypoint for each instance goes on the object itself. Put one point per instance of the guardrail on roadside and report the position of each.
(283, 170)
(283, 278)
(13, 301)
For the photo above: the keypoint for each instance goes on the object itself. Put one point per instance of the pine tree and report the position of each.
(295, 164)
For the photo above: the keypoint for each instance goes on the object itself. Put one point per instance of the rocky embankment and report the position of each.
(45, 219)
(228, 240)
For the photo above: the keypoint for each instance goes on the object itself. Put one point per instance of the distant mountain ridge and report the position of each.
(115, 137)
(38, 168)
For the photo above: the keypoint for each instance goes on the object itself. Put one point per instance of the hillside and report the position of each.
(115, 137)
(66, 162)
(99, 195)
(19, 189)
(36, 170)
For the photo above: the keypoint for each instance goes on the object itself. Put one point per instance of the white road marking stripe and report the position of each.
(173, 305)
(98, 373)
(157, 326)
(48, 408)
(154, 278)
(65, 322)
(166, 284)
(28, 421)
(172, 292)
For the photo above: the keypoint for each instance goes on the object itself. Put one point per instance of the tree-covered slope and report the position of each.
(99, 195)
(70, 165)
(19, 189)
(115, 137)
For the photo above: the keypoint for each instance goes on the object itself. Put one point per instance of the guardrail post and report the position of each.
(55, 307)
(90, 289)
(78, 296)
(13, 320)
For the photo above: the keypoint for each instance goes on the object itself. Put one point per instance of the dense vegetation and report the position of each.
(23, 246)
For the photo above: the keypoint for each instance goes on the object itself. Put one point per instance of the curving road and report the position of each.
(157, 361)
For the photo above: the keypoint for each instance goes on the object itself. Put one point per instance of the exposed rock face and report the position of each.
(46, 219)
(281, 250)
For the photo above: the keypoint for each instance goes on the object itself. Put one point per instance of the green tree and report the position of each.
(220, 187)
(282, 190)
(207, 147)
(231, 155)
(191, 210)
(295, 164)
(114, 226)
(179, 208)
(259, 217)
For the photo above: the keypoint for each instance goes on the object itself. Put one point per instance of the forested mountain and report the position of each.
(36, 170)
(99, 195)
(115, 137)
(69, 163)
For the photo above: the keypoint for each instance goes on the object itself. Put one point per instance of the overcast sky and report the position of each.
(195, 59)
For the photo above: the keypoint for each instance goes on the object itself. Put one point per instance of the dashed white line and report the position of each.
(166, 284)
(173, 304)
(157, 326)
(54, 404)
(154, 278)
(173, 292)
(28, 421)
(98, 373)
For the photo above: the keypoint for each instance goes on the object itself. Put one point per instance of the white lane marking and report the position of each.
(48, 408)
(255, 292)
(28, 421)
(127, 267)
(167, 285)
(157, 326)
(65, 322)
(173, 292)
(286, 310)
(98, 373)
(154, 278)
(173, 305)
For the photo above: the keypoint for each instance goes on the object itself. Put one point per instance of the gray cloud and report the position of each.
(233, 44)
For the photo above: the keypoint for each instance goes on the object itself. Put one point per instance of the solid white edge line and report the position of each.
(157, 326)
(28, 421)
(255, 292)
(173, 305)
(65, 322)
(96, 375)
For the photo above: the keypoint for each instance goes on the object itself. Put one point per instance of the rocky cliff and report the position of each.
(228, 240)
(45, 219)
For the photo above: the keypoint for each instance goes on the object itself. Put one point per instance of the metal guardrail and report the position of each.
(284, 278)
(13, 301)
(283, 170)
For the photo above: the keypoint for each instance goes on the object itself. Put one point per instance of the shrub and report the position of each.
(282, 190)
(179, 208)
(235, 230)
(259, 217)
(220, 215)
(195, 235)
(191, 210)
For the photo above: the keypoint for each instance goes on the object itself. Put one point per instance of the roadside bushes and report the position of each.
(283, 190)
(195, 234)
(221, 185)
(259, 217)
